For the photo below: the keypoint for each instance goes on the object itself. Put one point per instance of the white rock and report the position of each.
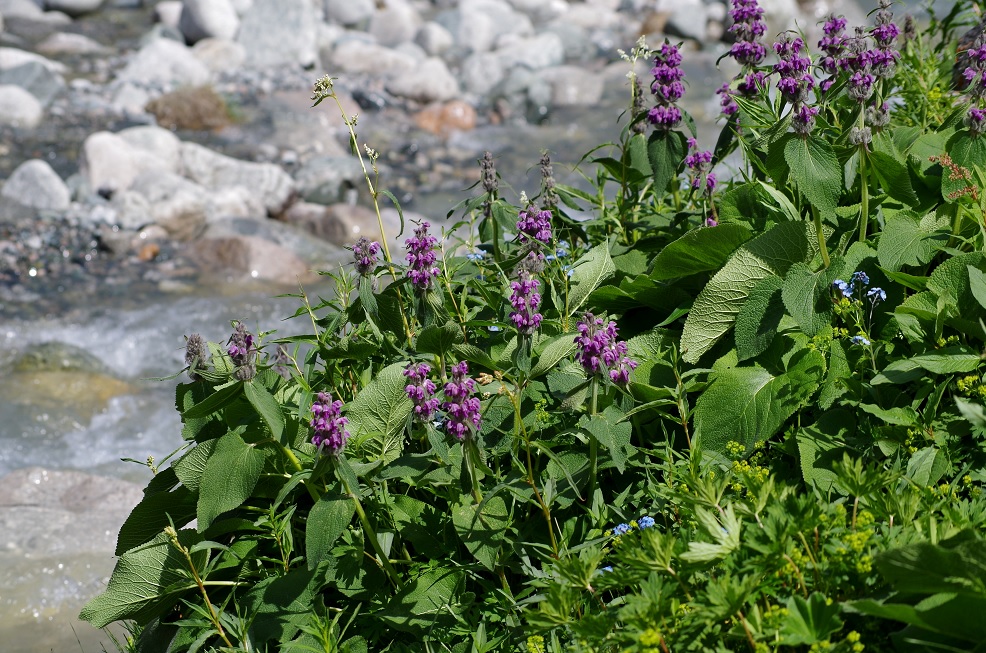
(279, 32)
(168, 12)
(35, 78)
(20, 8)
(359, 56)
(176, 204)
(35, 184)
(250, 256)
(434, 39)
(219, 55)
(156, 141)
(780, 14)
(541, 10)
(202, 19)
(13, 57)
(429, 81)
(533, 52)
(688, 19)
(18, 108)
(242, 6)
(573, 86)
(131, 98)
(165, 62)
(234, 201)
(395, 22)
(272, 186)
(74, 7)
(478, 24)
(70, 43)
(327, 179)
(108, 161)
(348, 12)
(481, 72)
(593, 17)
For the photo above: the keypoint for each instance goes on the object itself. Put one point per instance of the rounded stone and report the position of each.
(18, 108)
(35, 184)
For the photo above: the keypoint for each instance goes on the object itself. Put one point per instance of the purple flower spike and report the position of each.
(242, 352)
(600, 352)
(699, 163)
(421, 391)
(526, 301)
(726, 102)
(462, 409)
(421, 258)
(748, 26)
(794, 70)
(330, 434)
(667, 88)
(534, 226)
(975, 121)
(365, 253)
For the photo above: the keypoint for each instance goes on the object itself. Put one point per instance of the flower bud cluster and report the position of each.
(600, 352)
(884, 34)
(832, 45)
(242, 352)
(329, 426)
(421, 391)
(699, 164)
(748, 27)
(365, 253)
(667, 88)
(196, 356)
(461, 408)
(795, 82)
(526, 300)
(421, 257)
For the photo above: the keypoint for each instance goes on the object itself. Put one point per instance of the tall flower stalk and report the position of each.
(667, 88)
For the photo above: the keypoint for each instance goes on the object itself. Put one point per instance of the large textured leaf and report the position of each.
(429, 602)
(146, 582)
(816, 170)
(810, 621)
(481, 528)
(229, 478)
(749, 404)
(716, 307)
(552, 351)
(588, 273)
(807, 296)
(614, 434)
(700, 250)
(907, 239)
(326, 522)
(666, 151)
(757, 322)
(266, 406)
(279, 606)
(894, 178)
(378, 414)
(152, 514)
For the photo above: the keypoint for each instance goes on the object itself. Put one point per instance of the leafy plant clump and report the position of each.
(731, 401)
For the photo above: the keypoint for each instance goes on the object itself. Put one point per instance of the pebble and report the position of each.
(18, 108)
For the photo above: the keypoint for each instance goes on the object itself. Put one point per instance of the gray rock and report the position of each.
(18, 108)
(541, 51)
(316, 252)
(131, 98)
(249, 256)
(175, 203)
(541, 11)
(429, 81)
(434, 39)
(349, 13)
(162, 31)
(359, 56)
(70, 43)
(35, 78)
(279, 32)
(35, 184)
(14, 57)
(219, 55)
(394, 23)
(272, 186)
(595, 16)
(234, 201)
(575, 40)
(168, 62)
(478, 24)
(108, 161)
(74, 7)
(781, 14)
(688, 19)
(202, 19)
(20, 8)
(481, 72)
(572, 86)
(241, 6)
(342, 224)
(169, 12)
(329, 179)
(154, 140)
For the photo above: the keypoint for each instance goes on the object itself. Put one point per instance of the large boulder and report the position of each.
(329, 179)
(249, 256)
(429, 81)
(219, 55)
(279, 33)
(348, 12)
(35, 184)
(110, 162)
(355, 55)
(273, 187)
(13, 57)
(573, 85)
(61, 43)
(168, 62)
(18, 108)
(161, 143)
(175, 203)
(203, 19)
(33, 76)
(477, 25)
(395, 22)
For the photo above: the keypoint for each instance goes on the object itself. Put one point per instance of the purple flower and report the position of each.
(844, 288)
(421, 391)
(365, 254)
(241, 351)
(860, 340)
(803, 119)
(726, 102)
(975, 121)
(526, 301)
(699, 163)
(794, 70)
(621, 529)
(711, 222)
(421, 258)
(462, 410)
(885, 33)
(328, 425)
(534, 226)
(877, 295)
(667, 88)
(600, 352)
(752, 84)
(832, 46)
(748, 26)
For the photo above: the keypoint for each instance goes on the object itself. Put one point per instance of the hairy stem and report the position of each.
(371, 534)
(593, 444)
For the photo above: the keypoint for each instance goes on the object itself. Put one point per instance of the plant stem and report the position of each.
(213, 617)
(822, 247)
(470, 451)
(371, 534)
(864, 188)
(593, 444)
(522, 433)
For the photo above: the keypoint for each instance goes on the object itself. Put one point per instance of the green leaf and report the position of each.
(379, 413)
(438, 339)
(956, 565)
(190, 467)
(821, 446)
(907, 239)
(326, 522)
(716, 307)
(807, 296)
(638, 157)
(724, 530)
(610, 431)
(759, 318)
(898, 416)
(153, 514)
(551, 352)
(749, 404)
(588, 273)
(810, 621)
(950, 360)
(977, 284)
(816, 170)
(666, 151)
(700, 250)
(973, 412)
(279, 606)
(787, 209)
(217, 400)
(229, 478)
(927, 466)
(893, 176)
(429, 602)
(266, 406)
(481, 528)
(146, 582)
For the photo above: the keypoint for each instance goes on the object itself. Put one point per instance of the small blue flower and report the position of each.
(549, 257)
(877, 295)
(621, 529)
(607, 569)
(860, 340)
(645, 522)
(561, 252)
(476, 255)
(861, 278)
(568, 270)
(494, 328)
(843, 287)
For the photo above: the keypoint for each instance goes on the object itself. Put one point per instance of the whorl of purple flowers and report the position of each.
(858, 62)
(600, 352)
(699, 163)
(329, 426)
(526, 300)
(421, 258)
(975, 121)
(884, 33)
(748, 27)
(462, 409)
(667, 88)
(365, 253)
(795, 82)
(421, 391)
(534, 227)
(242, 352)
(832, 45)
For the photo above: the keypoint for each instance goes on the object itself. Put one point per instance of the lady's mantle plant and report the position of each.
(728, 411)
